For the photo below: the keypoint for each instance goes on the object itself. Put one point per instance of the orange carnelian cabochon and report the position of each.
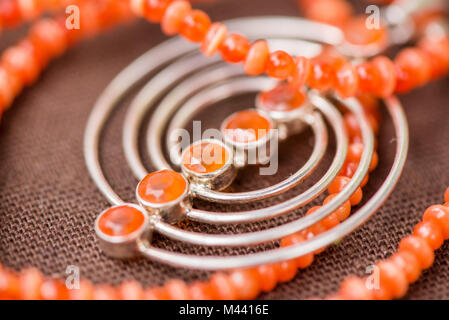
(162, 187)
(205, 157)
(282, 98)
(246, 126)
(121, 221)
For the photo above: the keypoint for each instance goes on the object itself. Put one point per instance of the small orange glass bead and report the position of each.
(303, 261)
(339, 184)
(387, 73)
(10, 12)
(283, 97)
(286, 270)
(177, 290)
(431, 232)
(154, 10)
(235, 48)
(222, 287)
(409, 264)
(392, 281)
(213, 39)
(257, 58)
(440, 215)
(320, 76)
(413, 69)
(49, 37)
(420, 248)
(356, 32)
(346, 80)
(246, 126)
(354, 288)
(22, 62)
(162, 187)
(301, 72)
(174, 15)
(269, 276)
(120, 221)
(201, 291)
(205, 157)
(246, 282)
(195, 25)
(280, 65)
(343, 211)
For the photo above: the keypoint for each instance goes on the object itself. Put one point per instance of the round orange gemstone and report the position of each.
(281, 98)
(162, 187)
(205, 157)
(121, 221)
(246, 126)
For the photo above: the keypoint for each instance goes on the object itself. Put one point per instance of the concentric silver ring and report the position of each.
(162, 55)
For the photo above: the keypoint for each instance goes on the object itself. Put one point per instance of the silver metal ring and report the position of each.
(164, 54)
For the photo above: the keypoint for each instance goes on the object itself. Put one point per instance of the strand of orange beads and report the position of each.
(413, 67)
(15, 12)
(21, 64)
(242, 284)
(415, 254)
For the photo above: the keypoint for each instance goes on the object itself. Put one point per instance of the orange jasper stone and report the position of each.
(161, 187)
(281, 98)
(121, 221)
(246, 126)
(205, 157)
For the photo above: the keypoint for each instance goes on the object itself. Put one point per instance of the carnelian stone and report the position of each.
(409, 264)
(53, 289)
(286, 270)
(321, 75)
(343, 211)
(354, 288)
(50, 37)
(440, 215)
(346, 80)
(105, 292)
(158, 293)
(205, 157)
(340, 183)
(9, 285)
(303, 261)
(246, 126)
(195, 25)
(257, 58)
(177, 290)
(154, 10)
(335, 12)
(387, 73)
(246, 282)
(413, 69)
(10, 12)
(280, 65)
(130, 290)
(392, 281)
(234, 48)
(222, 287)
(162, 187)
(283, 97)
(355, 151)
(30, 281)
(174, 15)
(213, 39)
(120, 221)
(268, 275)
(431, 232)
(301, 72)
(22, 62)
(85, 291)
(201, 291)
(420, 248)
(356, 32)
(437, 49)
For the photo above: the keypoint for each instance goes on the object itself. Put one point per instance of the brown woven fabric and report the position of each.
(48, 202)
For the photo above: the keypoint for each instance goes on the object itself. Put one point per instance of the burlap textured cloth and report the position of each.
(48, 202)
